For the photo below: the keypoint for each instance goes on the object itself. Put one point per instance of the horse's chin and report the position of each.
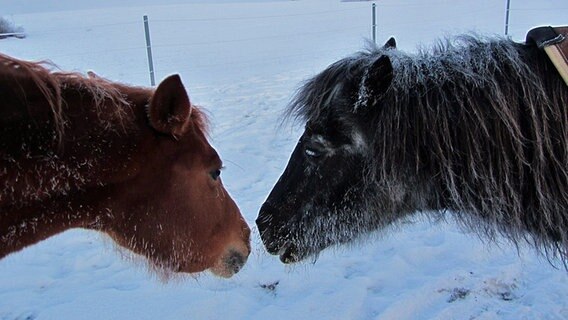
(288, 253)
(291, 253)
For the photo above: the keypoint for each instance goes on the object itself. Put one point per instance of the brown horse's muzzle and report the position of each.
(235, 254)
(231, 262)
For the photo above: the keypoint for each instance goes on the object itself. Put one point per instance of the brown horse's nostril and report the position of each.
(230, 263)
(235, 261)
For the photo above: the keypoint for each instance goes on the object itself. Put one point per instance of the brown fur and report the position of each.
(129, 161)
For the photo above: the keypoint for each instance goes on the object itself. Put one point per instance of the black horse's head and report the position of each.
(457, 128)
(328, 192)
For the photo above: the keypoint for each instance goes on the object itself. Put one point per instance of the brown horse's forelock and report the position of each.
(482, 121)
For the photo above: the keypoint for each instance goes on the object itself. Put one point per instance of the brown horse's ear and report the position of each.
(376, 81)
(170, 109)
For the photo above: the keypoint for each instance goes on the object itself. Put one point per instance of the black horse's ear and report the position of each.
(379, 76)
(391, 44)
(376, 81)
(170, 109)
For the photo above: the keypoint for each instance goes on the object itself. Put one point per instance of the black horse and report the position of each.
(474, 126)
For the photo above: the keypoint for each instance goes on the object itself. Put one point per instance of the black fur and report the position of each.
(475, 126)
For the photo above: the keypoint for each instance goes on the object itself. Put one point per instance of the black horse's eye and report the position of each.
(215, 174)
(313, 153)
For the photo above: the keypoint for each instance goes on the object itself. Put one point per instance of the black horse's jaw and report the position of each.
(277, 242)
(289, 253)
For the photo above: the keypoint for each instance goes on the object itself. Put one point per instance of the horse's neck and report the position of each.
(42, 197)
(96, 149)
(22, 227)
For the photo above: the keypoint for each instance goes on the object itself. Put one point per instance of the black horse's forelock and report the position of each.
(482, 121)
(320, 92)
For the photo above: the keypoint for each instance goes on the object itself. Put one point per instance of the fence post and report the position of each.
(507, 17)
(374, 23)
(149, 51)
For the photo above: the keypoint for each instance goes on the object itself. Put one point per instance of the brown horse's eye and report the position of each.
(215, 174)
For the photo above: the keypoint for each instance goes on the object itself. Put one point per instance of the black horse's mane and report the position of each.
(483, 121)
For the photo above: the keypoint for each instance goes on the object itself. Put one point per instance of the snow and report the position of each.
(242, 60)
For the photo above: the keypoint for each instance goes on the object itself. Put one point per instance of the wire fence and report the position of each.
(357, 24)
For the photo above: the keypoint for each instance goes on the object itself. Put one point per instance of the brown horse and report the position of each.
(132, 162)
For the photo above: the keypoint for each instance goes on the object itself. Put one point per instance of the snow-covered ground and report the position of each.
(242, 60)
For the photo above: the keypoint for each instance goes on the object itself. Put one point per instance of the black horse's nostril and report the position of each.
(266, 206)
(266, 222)
(264, 217)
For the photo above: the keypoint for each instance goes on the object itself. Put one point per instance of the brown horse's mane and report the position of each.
(52, 83)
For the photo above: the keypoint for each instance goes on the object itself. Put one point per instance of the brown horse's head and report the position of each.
(175, 209)
(86, 152)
